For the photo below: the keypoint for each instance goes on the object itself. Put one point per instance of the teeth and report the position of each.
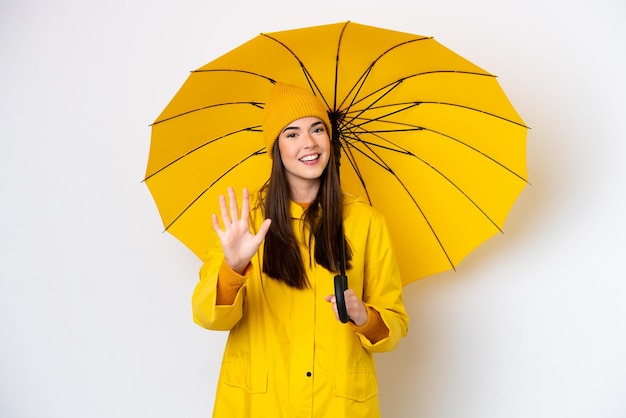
(310, 157)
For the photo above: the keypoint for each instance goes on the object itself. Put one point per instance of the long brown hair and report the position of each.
(282, 259)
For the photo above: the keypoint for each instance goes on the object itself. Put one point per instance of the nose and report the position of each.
(308, 141)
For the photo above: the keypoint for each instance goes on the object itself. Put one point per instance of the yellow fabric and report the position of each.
(229, 282)
(279, 334)
(374, 329)
(429, 137)
(304, 205)
(285, 104)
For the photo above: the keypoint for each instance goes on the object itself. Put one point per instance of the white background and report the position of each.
(95, 317)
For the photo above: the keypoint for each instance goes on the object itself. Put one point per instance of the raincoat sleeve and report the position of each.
(382, 286)
(206, 312)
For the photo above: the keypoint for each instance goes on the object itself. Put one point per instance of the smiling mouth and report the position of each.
(308, 158)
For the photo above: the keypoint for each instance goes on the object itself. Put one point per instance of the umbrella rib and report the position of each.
(255, 104)
(399, 149)
(233, 70)
(337, 64)
(413, 128)
(199, 147)
(480, 152)
(360, 83)
(420, 128)
(410, 105)
(312, 84)
(254, 154)
(363, 78)
(381, 163)
(348, 152)
(389, 87)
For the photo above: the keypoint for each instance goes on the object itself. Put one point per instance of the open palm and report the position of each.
(238, 242)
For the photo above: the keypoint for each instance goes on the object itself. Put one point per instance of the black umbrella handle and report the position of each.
(341, 280)
(341, 284)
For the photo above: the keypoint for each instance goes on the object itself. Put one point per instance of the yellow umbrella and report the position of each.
(427, 137)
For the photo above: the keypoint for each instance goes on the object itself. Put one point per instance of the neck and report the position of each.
(304, 193)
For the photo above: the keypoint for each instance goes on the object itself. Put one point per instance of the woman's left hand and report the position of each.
(355, 308)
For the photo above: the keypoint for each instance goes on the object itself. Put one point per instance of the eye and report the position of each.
(289, 133)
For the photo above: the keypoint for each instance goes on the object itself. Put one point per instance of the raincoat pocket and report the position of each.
(241, 375)
(358, 386)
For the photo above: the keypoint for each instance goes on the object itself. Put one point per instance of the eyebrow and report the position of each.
(295, 128)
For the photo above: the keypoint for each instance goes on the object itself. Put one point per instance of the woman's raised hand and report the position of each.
(238, 243)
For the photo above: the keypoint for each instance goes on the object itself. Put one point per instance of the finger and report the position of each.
(216, 224)
(224, 210)
(349, 295)
(265, 226)
(351, 299)
(334, 307)
(234, 210)
(355, 307)
(333, 301)
(245, 204)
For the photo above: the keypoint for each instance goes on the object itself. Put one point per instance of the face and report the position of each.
(305, 149)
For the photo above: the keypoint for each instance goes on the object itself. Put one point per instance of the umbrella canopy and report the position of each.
(425, 136)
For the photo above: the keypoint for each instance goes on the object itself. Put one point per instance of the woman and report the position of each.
(268, 278)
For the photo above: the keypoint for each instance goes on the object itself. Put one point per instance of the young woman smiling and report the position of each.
(268, 279)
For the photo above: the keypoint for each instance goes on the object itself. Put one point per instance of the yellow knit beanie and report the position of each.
(285, 104)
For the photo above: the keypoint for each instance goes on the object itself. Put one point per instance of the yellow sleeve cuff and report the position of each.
(228, 284)
(374, 329)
